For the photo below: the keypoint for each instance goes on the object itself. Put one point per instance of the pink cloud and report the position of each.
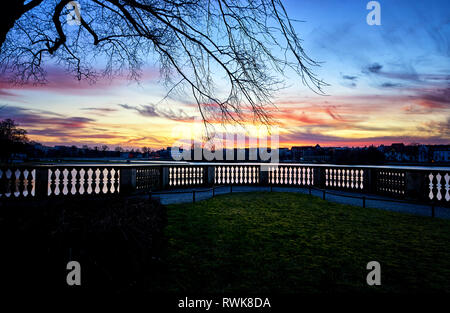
(59, 81)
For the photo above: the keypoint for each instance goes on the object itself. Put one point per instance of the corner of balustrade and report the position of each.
(127, 180)
(41, 182)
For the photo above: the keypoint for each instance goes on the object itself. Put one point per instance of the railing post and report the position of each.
(372, 180)
(264, 175)
(364, 201)
(323, 195)
(210, 175)
(193, 196)
(41, 182)
(127, 180)
(319, 177)
(415, 185)
(164, 177)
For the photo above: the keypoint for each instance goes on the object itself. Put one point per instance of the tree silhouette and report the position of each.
(249, 43)
(12, 139)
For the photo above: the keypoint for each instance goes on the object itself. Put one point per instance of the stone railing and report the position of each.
(424, 184)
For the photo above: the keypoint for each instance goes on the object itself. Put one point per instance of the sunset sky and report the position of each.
(388, 83)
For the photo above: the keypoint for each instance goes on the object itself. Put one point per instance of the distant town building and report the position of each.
(441, 154)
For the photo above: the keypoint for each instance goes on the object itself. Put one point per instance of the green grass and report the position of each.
(291, 243)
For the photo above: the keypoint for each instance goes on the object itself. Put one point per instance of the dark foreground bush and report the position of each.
(118, 243)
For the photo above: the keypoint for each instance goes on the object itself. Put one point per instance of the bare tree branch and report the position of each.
(232, 54)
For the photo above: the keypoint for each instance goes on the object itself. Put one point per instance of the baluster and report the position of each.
(82, 186)
(16, 183)
(447, 187)
(438, 186)
(100, 180)
(19, 186)
(361, 179)
(107, 187)
(89, 181)
(176, 178)
(117, 180)
(27, 183)
(76, 181)
(51, 182)
(403, 182)
(352, 179)
(59, 182)
(33, 182)
(64, 181)
(69, 181)
(97, 181)
(9, 183)
(430, 185)
(23, 187)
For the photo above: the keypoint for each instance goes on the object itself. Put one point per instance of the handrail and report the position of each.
(186, 191)
(138, 163)
(428, 185)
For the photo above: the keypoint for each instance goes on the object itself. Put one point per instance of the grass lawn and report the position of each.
(290, 243)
